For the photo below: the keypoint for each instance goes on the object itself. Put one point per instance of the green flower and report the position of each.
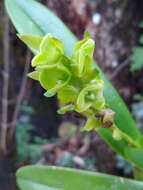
(76, 82)
(83, 55)
(91, 97)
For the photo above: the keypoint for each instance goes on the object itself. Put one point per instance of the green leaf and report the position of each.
(117, 146)
(43, 178)
(135, 155)
(30, 17)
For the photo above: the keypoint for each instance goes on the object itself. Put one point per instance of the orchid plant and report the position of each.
(65, 68)
(74, 79)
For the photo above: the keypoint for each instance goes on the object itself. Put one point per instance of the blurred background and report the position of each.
(31, 131)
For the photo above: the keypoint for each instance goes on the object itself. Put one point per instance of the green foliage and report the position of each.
(43, 178)
(137, 57)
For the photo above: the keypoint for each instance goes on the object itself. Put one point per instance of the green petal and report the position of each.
(99, 102)
(50, 43)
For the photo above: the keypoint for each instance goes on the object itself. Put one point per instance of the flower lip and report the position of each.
(54, 77)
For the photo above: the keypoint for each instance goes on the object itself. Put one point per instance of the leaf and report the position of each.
(135, 155)
(43, 178)
(30, 17)
(117, 146)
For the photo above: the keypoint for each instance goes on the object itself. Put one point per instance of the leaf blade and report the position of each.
(69, 179)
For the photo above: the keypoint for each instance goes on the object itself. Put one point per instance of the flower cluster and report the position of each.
(74, 78)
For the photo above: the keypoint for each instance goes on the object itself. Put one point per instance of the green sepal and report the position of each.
(82, 55)
(66, 108)
(32, 41)
(51, 43)
(92, 76)
(40, 59)
(50, 51)
(50, 93)
(34, 75)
